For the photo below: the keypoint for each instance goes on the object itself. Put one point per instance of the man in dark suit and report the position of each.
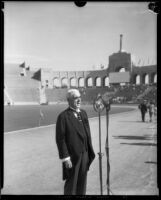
(143, 109)
(74, 144)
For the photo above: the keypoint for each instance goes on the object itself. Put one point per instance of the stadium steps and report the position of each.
(56, 94)
(91, 93)
(24, 94)
(145, 93)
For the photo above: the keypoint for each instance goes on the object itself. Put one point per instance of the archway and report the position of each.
(56, 82)
(137, 79)
(122, 69)
(73, 82)
(106, 81)
(81, 82)
(89, 82)
(155, 78)
(147, 79)
(98, 82)
(64, 82)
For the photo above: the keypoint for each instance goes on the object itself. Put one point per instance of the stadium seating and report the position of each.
(56, 94)
(24, 94)
(20, 88)
(12, 69)
(25, 89)
(135, 92)
(19, 82)
(151, 94)
(6, 100)
(90, 94)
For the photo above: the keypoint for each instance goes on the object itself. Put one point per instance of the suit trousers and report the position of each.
(143, 115)
(76, 183)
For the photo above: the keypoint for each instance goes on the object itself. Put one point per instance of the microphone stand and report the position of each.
(107, 103)
(107, 150)
(100, 154)
(98, 107)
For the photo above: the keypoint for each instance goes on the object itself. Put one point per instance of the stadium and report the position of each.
(127, 82)
(32, 102)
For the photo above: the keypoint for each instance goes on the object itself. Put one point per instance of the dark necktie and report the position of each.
(79, 116)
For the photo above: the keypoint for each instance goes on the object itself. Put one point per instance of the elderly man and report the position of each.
(74, 144)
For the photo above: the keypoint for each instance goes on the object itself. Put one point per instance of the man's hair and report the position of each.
(71, 93)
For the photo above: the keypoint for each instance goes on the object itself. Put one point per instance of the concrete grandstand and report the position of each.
(127, 82)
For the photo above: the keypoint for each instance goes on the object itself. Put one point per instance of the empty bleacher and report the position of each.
(12, 69)
(20, 88)
(13, 81)
(24, 89)
(6, 100)
(24, 94)
(56, 94)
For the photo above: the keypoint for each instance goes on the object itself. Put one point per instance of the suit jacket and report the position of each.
(69, 138)
(143, 107)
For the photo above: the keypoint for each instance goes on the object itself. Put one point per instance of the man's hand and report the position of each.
(68, 164)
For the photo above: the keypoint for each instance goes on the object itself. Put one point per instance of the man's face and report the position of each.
(75, 101)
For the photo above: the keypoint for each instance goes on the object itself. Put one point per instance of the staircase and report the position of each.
(149, 89)
(8, 98)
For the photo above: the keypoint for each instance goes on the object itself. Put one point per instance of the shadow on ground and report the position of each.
(141, 144)
(127, 121)
(151, 162)
(134, 137)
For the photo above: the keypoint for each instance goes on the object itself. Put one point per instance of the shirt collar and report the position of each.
(76, 110)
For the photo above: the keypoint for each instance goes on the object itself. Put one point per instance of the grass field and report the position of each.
(23, 117)
(32, 165)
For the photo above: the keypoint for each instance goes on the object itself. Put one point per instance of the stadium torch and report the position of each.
(107, 98)
(98, 107)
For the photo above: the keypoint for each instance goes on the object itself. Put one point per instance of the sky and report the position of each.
(62, 36)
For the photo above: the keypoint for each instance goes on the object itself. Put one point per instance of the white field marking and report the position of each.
(92, 118)
(28, 129)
